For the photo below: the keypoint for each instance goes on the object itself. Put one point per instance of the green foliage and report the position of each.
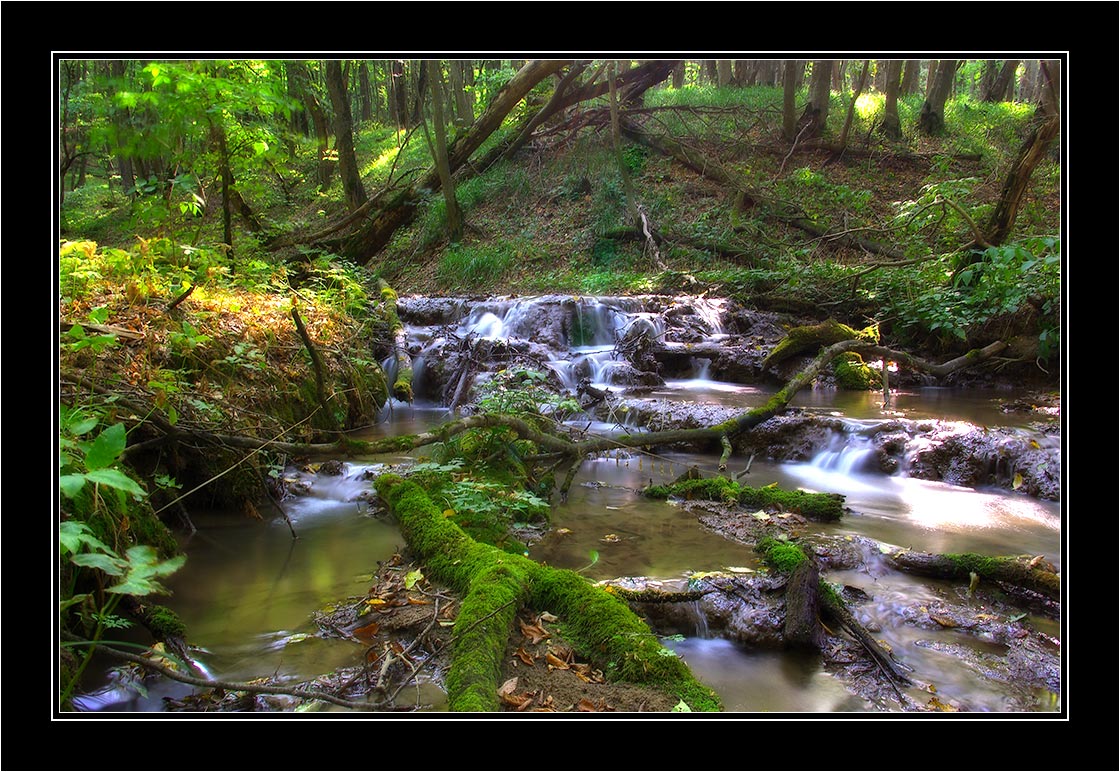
(474, 266)
(81, 462)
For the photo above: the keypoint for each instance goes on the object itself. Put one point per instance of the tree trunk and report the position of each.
(218, 137)
(344, 136)
(298, 72)
(723, 72)
(910, 77)
(418, 96)
(439, 129)
(931, 121)
(789, 99)
(843, 141)
(365, 91)
(367, 242)
(816, 111)
(1047, 124)
(931, 75)
(892, 126)
(678, 75)
(398, 93)
(458, 107)
(1017, 571)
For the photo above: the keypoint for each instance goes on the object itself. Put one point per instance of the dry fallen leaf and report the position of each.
(367, 632)
(535, 633)
(611, 538)
(509, 687)
(586, 706)
(555, 662)
(525, 656)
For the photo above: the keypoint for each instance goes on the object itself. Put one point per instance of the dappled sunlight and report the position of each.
(869, 104)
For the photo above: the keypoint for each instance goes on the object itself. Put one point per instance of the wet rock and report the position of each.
(332, 468)
(427, 311)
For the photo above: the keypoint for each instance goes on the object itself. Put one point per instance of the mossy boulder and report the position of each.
(853, 374)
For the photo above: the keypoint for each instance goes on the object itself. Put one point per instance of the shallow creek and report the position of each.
(248, 592)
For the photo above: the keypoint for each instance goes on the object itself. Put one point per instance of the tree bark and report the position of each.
(816, 110)
(344, 136)
(931, 121)
(789, 97)
(1018, 571)
(439, 129)
(298, 73)
(892, 125)
(398, 93)
(371, 239)
(843, 141)
(1047, 124)
(365, 91)
(910, 77)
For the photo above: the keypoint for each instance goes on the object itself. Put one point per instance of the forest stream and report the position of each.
(248, 592)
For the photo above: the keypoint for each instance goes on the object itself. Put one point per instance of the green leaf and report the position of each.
(411, 578)
(172, 415)
(99, 315)
(114, 478)
(681, 707)
(107, 448)
(110, 565)
(65, 604)
(80, 426)
(71, 484)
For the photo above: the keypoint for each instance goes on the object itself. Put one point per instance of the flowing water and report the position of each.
(248, 591)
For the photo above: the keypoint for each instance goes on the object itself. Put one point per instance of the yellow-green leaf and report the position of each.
(411, 578)
(1017, 483)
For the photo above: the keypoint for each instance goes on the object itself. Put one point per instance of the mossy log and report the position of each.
(802, 628)
(824, 507)
(1026, 572)
(496, 584)
(402, 384)
(814, 336)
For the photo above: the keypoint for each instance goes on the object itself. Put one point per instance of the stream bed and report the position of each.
(248, 592)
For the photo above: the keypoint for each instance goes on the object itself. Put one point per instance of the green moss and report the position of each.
(164, 623)
(853, 374)
(496, 584)
(402, 388)
(710, 489)
(825, 507)
(983, 565)
(814, 336)
(782, 556)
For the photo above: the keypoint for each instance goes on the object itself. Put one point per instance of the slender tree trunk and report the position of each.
(892, 126)
(443, 168)
(931, 75)
(843, 142)
(418, 96)
(1029, 85)
(399, 93)
(789, 98)
(932, 118)
(910, 77)
(298, 72)
(365, 91)
(344, 136)
(218, 137)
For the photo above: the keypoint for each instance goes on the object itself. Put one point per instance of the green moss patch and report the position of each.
(826, 507)
(496, 584)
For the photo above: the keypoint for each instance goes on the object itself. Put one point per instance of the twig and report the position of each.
(316, 361)
(174, 303)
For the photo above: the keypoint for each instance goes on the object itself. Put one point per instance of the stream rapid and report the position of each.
(248, 592)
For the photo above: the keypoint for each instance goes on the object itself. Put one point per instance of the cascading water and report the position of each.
(577, 338)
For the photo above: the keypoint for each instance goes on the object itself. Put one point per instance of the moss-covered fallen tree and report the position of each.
(496, 584)
(1029, 573)
(825, 507)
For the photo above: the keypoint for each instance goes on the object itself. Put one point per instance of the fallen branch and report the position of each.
(316, 361)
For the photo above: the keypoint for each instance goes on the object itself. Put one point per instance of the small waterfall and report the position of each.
(701, 369)
(846, 454)
(699, 618)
